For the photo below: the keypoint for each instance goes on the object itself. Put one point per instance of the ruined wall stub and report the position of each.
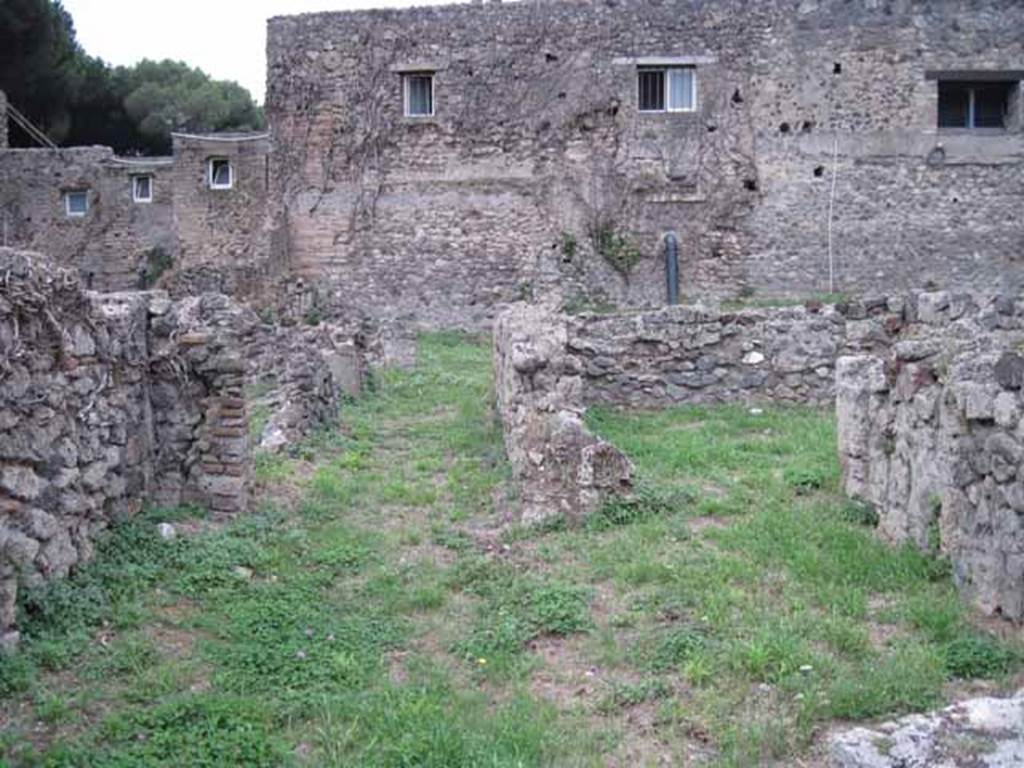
(536, 147)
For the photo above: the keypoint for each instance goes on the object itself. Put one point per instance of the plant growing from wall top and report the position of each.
(616, 248)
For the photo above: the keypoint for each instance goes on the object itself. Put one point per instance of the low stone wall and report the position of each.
(560, 467)
(696, 355)
(930, 434)
(107, 400)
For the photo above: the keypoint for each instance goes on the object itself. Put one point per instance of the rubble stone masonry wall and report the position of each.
(223, 242)
(111, 243)
(110, 400)
(930, 433)
(815, 133)
(107, 399)
(695, 355)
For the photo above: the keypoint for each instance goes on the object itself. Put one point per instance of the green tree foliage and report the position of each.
(38, 60)
(77, 99)
(159, 97)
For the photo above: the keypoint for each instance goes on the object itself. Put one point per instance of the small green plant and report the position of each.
(580, 303)
(569, 245)
(52, 708)
(516, 609)
(268, 315)
(646, 501)
(313, 316)
(676, 648)
(805, 479)
(621, 253)
(974, 655)
(626, 695)
(259, 415)
(860, 513)
(157, 262)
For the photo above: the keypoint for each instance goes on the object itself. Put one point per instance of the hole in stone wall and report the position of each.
(712, 128)
(837, 68)
(807, 126)
(750, 185)
(550, 57)
(956, 199)
(561, 94)
(819, 171)
(737, 98)
(784, 128)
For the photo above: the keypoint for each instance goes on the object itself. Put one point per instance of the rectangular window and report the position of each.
(651, 83)
(973, 105)
(667, 89)
(76, 202)
(419, 95)
(220, 173)
(142, 189)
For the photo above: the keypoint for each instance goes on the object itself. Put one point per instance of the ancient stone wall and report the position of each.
(536, 157)
(559, 466)
(106, 400)
(223, 241)
(111, 400)
(297, 376)
(116, 241)
(700, 354)
(929, 433)
(696, 355)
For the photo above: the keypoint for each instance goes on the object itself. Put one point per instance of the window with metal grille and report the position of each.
(975, 104)
(667, 89)
(419, 94)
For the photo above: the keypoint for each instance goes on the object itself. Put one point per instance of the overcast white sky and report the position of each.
(126, 31)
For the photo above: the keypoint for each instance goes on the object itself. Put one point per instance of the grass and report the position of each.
(374, 611)
(764, 302)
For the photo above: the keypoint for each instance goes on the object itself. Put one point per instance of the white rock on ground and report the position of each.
(975, 733)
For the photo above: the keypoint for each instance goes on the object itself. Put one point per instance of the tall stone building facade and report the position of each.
(440, 162)
(443, 160)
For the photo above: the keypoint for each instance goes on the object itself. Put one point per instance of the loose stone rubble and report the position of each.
(976, 733)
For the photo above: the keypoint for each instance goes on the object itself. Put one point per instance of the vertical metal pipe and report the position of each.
(672, 268)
